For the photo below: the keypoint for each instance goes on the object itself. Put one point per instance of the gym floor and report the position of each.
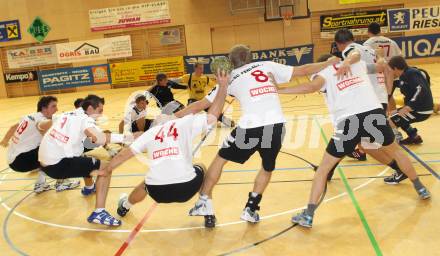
(359, 216)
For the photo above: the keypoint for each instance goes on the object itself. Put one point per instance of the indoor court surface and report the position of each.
(359, 216)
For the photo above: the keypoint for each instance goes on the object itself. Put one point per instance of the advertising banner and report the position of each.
(420, 18)
(19, 77)
(32, 56)
(10, 30)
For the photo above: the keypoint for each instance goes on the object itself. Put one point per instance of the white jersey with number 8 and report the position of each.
(27, 136)
(258, 96)
(169, 149)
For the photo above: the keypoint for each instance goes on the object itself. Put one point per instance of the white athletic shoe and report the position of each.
(41, 187)
(250, 216)
(66, 184)
(199, 209)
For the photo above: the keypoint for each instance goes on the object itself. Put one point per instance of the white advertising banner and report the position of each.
(129, 16)
(92, 50)
(32, 56)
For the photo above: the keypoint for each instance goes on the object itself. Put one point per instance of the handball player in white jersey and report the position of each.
(61, 153)
(25, 138)
(172, 177)
(376, 40)
(260, 128)
(357, 116)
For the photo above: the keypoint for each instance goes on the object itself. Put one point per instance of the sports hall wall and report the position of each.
(206, 27)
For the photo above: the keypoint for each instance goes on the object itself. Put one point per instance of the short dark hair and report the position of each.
(197, 64)
(44, 102)
(77, 103)
(344, 35)
(141, 98)
(398, 62)
(92, 100)
(324, 57)
(160, 77)
(374, 28)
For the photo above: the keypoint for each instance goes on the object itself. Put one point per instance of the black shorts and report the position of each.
(241, 144)
(179, 192)
(417, 117)
(74, 167)
(26, 162)
(371, 125)
(385, 107)
(134, 127)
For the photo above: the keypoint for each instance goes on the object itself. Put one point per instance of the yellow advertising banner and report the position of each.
(146, 70)
(355, 1)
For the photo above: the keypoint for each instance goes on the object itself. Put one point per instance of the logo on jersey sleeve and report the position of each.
(348, 83)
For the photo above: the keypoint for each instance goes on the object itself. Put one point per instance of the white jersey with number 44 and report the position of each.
(27, 136)
(169, 149)
(65, 138)
(258, 96)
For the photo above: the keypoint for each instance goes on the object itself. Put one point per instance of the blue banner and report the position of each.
(10, 30)
(74, 77)
(293, 56)
(410, 19)
(423, 46)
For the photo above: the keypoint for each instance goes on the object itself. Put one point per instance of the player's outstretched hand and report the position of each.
(405, 111)
(222, 78)
(333, 60)
(343, 71)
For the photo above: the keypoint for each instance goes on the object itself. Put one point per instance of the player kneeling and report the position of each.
(61, 150)
(172, 177)
(357, 116)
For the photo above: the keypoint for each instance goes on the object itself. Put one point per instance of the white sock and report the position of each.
(127, 205)
(98, 210)
(254, 194)
(41, 177)
(203, 197)
(90, 187)
(209, 207)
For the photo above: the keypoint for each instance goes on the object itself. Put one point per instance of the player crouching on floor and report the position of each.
(357, 116)
(61, 150)
(26, 137)
(172, 177)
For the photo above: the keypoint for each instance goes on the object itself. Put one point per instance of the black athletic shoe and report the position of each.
(210, 221)
(412, 141)
(358, 155)
(122, 211)
(395, 178)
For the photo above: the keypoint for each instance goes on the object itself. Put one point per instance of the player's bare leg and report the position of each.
(386, 159)
(318, 185)
(126, 202)
(204, 206)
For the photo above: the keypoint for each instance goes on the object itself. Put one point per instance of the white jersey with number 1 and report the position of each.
(169, 149)
(65, 138)
(369, 56)
(27, 136)
(258, 96)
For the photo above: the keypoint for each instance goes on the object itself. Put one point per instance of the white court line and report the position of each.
(180, 229)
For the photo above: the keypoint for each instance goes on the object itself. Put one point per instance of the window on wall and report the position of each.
(151, 43)
(28, 88)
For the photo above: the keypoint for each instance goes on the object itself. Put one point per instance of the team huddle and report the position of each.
(358, 82)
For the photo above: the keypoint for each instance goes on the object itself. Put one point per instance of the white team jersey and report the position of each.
(389, 46)
(27, 136)
(169, 149)
(133, 115)
(369, 56)
(258, 96)
(350, 96)
(65, 138)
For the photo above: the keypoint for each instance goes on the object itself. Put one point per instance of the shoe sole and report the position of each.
(98, 222)
(302, 224)
(248, 219)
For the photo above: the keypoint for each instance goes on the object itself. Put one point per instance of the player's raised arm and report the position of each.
(305, 88)
(44, 126)
(313, 68)
(344, 69)
(217, 106)
(8, 135)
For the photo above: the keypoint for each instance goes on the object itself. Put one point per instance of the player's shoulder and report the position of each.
(35, 117)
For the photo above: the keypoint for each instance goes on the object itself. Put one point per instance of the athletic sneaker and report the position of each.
(424, 193)
(250, 216)
(122, 211)
(228, 122)
(412, 140)
(41, 187)
(303, 219)
(210, 221)
(66, 184)
(199, 209)
(398, 136)
(357, 154)
(395, 178)
(88, 191)
(104, 218)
